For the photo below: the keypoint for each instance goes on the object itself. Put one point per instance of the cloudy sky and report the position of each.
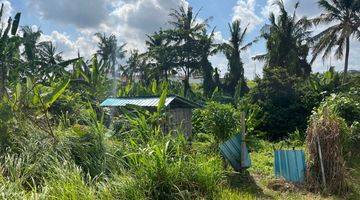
(71, 24)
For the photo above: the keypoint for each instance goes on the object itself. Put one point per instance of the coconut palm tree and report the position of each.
(185, 34)
(343, 16)
(208, 48)
(232, 50)
(287, 40)
(110, 51)
(159, 54)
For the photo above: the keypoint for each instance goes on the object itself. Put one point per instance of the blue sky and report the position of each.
(71, 24)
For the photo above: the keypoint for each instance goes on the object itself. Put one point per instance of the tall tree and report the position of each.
(9, 48)
(344, 19)
(110, 51)
(160, 54)
(287, 42)
(136, 66)
(208, 48)
(232, 50)
(185, 35)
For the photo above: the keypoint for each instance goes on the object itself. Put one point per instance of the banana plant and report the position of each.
(33, 101)
(93, 75)
(9, 48)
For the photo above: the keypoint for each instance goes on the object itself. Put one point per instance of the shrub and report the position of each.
(354, 139)
(345, 106)
(220, 120)
(280, 105)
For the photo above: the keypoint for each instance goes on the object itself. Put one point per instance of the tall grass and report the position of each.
(88, 161)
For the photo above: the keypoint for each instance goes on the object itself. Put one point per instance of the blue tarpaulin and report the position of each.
(290, 164)
(231, 151)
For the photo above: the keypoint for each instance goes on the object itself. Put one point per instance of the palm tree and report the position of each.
(344, 17)
(159, 51)
(185, 35)
(137, 66)
(49, 60)
(232, 50)
(208, 48)
(110, 51)
(287, 42)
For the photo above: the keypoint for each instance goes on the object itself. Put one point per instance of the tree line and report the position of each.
(184, 49)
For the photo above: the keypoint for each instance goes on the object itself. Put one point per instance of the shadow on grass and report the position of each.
(245, 183)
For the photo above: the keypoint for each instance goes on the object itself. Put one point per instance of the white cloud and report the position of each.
(85, 44)
(135, 18)
(270, 8)
(219, 61)
(129, 20)
(306, 8)
(218, 37)
(245, 11)
(81, 13)
(251, 67)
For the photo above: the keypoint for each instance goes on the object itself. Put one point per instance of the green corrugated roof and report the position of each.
(150, 101)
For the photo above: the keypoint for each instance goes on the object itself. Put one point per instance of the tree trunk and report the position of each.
(186, 86)
(346, 57)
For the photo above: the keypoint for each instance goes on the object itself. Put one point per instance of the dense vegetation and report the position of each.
(56, 142)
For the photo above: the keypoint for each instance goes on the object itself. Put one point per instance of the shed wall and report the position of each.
(180, 119)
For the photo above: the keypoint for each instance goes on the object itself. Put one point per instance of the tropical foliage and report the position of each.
(56, 142)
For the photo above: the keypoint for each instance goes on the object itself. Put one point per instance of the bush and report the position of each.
(220, 120)
(329, 131)
(280, 105)
(345, 106)
(354, 139)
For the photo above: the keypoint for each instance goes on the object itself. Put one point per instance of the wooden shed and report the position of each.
(179, 109)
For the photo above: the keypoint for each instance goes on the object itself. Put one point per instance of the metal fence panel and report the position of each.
(231, 151)
(290, 164)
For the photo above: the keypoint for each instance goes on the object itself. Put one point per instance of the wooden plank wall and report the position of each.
(179, 119)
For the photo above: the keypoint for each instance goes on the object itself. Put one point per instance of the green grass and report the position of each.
(84, 166)
(253, 184)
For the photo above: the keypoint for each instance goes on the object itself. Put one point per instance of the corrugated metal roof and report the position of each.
(143, 101)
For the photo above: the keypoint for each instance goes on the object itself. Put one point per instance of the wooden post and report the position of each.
(321, 163)
(243, 144)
